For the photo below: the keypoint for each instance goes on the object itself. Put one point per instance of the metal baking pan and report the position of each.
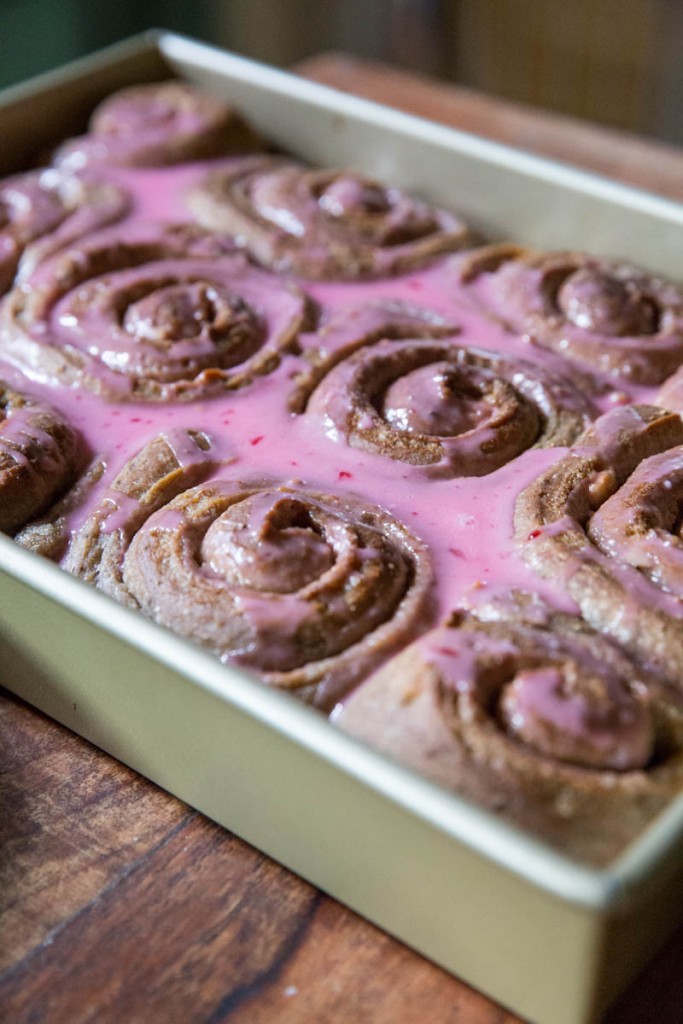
(551, 939)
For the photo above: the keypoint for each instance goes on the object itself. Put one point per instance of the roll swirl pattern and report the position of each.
(447, 409)
(157, 124)
(339, 334)
(44, 211)
(610, 316)
(40, 454)
(604, 522)
(325, 224)
(151, 313)
(309, 591)
(546, 723)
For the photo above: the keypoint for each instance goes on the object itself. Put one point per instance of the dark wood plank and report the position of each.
(120, 903)
(71, 819)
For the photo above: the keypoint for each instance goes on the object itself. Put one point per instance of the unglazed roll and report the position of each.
(448, 409)
(547, 724)
(325, 224)
(150, 313)
(157, 124)
(44, 211)
(309, 591)
(605, 524)
(39, 457)
(610, 316)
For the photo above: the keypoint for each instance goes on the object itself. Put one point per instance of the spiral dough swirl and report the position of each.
(448, 409)
(546, 723)
(605, 524)
(44, 211)
(152, 313)
(39, 457)
(323, 223)
(157, 124)
(612, 317)
(307, 590)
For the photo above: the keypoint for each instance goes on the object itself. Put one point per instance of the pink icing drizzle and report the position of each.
(466, 522)
(600, 723)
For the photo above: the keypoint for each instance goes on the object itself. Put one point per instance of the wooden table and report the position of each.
(120, 904)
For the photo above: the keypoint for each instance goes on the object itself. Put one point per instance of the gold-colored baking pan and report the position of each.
(552, 939)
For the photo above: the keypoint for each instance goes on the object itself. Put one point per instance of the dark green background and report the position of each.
(37, 35)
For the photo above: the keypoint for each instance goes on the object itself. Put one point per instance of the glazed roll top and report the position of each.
(323, 224)
(152, 312)
(607, 315)
(157, 124)
(546, 723)
(39, 457)
(604, 523)
(43, 211)
(451, 410)
(309, 590)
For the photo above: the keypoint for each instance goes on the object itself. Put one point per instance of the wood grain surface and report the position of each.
(120, 904)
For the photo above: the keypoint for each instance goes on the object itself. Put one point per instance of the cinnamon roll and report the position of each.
(49, 534)
(156, 124)
(448, 409)
(167, 465)
(40, 454)
(150, 313)
(608, 315)
(547, 724)
(44, 211)
(670, 395)
(605, 523)
(353, 327)
(309, 591)
(325, 224)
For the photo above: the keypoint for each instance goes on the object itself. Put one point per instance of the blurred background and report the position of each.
(616, 62)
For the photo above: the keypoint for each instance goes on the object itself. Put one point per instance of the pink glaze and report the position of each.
(263, 555)
(158, 192)
(538, 706)
(149, 125)
(423, 402)
(28, 206)
(295, 202)
(561, 700)
(654, 490)
(116, 510)
(348, 193)
(20, 435)
(466, 522)
(595, 301)
(603, 314)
